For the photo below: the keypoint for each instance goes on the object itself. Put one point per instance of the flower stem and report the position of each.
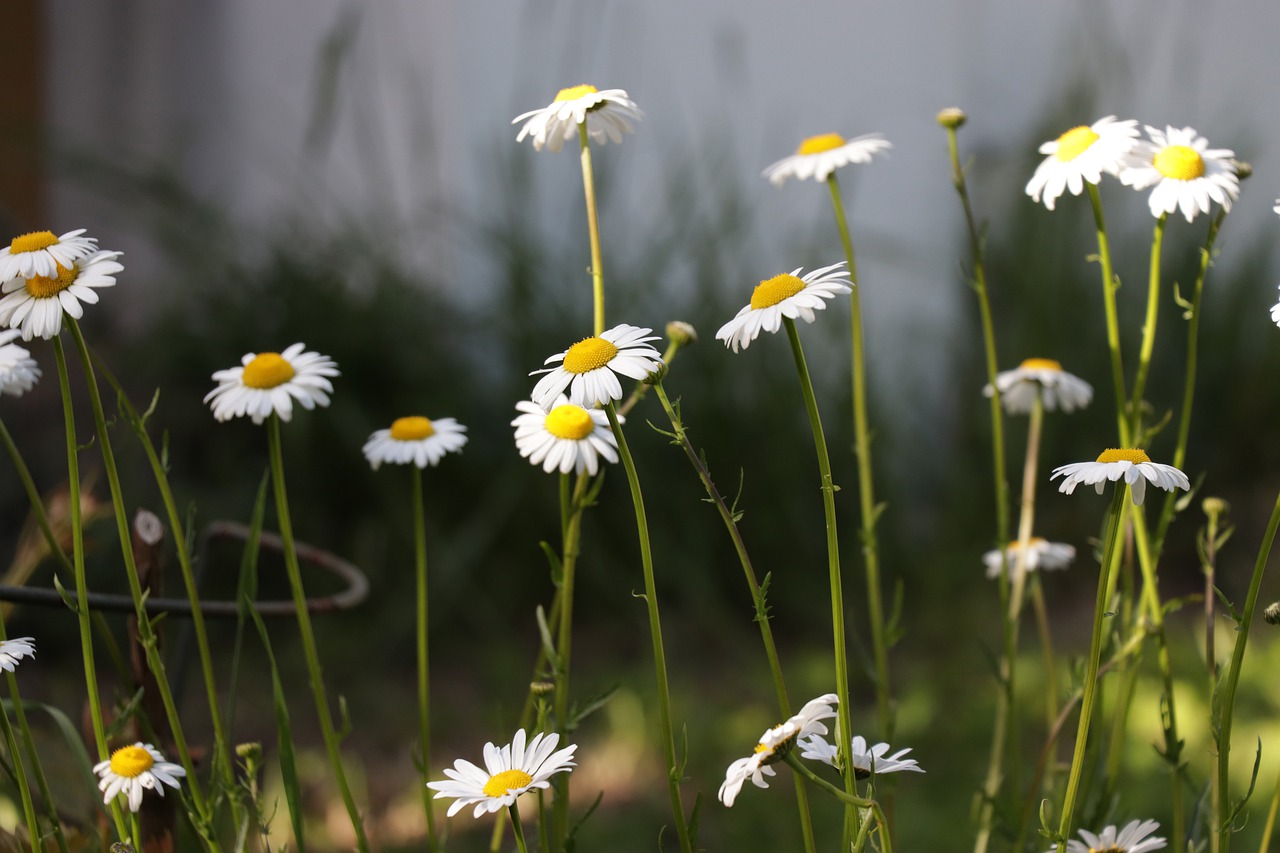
(571, 507)
(1148, 330)
(424, 671)
(1110, 284)
(517, 828)
(850, 800)
(19, 768)
(593, 231)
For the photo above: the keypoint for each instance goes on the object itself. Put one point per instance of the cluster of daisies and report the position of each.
(43, 275)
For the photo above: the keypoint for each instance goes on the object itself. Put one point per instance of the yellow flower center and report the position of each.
(33, 242)
(774, 290)
(572, 422)
(1041, 364)
(575, 92)
(267, 370)
(1124, 454)
(507, 780)
(1179, 162)
(589, 354)
(44, 287)
(131, 761)
(1112, 849)
(822, 142)
(412, 429)
(762, 748)
(1074, 142)
(1033, 542)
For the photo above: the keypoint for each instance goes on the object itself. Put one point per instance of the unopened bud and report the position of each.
(1243, 168)
(1215, 507)
(682, 333)
(952, 117)
(1272, 613)
(541, 688)
(657, 375)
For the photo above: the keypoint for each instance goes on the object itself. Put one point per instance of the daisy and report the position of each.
(590, 368)
(1082, 154)
(35, 304)
(1186, 173)
(12, 651)
(867, 762)
(784, 295)
(41, 253)
(819, 156)
(1133, 465)
(269, 382)
(1128, 840)
(608, 115)
(1041, 554)
(18, 371)
(419, 440)
(134, 768)
(775, 744)
(508, 773)
(1275, 313)
(1043, 376)
(568, 437)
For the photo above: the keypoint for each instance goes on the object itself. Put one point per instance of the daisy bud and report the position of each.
(952, 118)
(1215, 507)
(657, 375)
(681, 333)
(541, 688)
(1243, 168)
(1272, 613)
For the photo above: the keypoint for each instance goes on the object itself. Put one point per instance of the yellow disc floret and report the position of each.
(1112, 849)
(773, 290)
(1180, 162)
(589, 354)
(507, 780)
(267, 370)
(820, 143)
(131, 761)
(412, 429)
(1033, 542)
(1041, 364)
(33, 242)
(44, 287)
(1074, 142)
(572, 422)
(575, 92)
(1124, 454)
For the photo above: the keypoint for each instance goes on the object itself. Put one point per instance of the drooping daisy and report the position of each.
(41, 253)
(1041, 554)
(12, 651)
(1186, 172)
(35, 304)
(819, 156)
(270, 381)
(422, 441)
(18, 370)
(569, 437)
(1131, 839)
(133, 769)
(608, 115)
(1082, 154)
(774, 744)
(1057, 388)
(508, 773)
(1275, 313)
(590, 368)
(866, 761)
(785, 295)
(1131, 464)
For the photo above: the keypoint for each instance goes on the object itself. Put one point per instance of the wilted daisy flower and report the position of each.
(865, 761)
(1082, 154)
(35, 304)
(1131, 839)
(775, 744)
(131, 769)
(569, 437)
(590, 368)
(1057, 388)
(1041, 554)
(1131, 464)
(270, 381)
(18, 371)
(785, 295)
(12, 651)
(508, 773)
(1186, 173)
(608, 114)
(422, 441)
(819, 156)
(41, 253)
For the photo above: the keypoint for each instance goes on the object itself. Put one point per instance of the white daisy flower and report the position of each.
(1041, 554)
(1186, 173)
(866, 761)
(590, 368)
(41, 253)
(35, 304)
(774, 744)
(819, 156)
(1131, 839)
(270, 381)
(12, 651)
(508, 773)
(785, 295)
(569, 437)
(1082, 154)
(1130, 464)
(18, 371)
(608, 115)
(1044, 376)
(133, 769)
(422, 441)
(1275, 313)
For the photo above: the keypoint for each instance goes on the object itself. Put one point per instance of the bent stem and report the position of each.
(1148, 329)
(593, 231)
(850, 801)
(1110, 284)
(424, 671)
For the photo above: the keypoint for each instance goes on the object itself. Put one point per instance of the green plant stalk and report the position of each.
(850, 801)
(1109, 287)
(593, 231)
(1208, 562)
(517, 828)
(1270, 825)
(42, 782)
(424, 672)
(1041, 610)
(571, 530)
(33, 496)
(20, 770)
(314, 673)
(1148, 330)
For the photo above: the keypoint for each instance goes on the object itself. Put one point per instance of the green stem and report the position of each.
(517, 828)
(34, 498)
(851, 801)
(593, 231)
(1270, 825)
(1208, 563)
(424, 672)
(1110, 284)
(20, 770)
(1148, 330)
(571, 527)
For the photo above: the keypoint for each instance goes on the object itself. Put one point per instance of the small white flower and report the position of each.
(18, 370)
(422, 441)
(608, 115)
(1275, 313)
(133, 769)
(590, 368)
(785, 295)
(35, 304)
(1044, 376)
(508, 773)
(12, 651)
(1128, 840)
(866, 761)
(41, 253)
(1131, 464)
(1186, 173)
(269, 382)
(1082, 154)
(774, 744)
(819, 156)
(569, 437)
(1041, 554)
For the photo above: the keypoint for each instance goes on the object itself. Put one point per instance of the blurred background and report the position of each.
(346, 174)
